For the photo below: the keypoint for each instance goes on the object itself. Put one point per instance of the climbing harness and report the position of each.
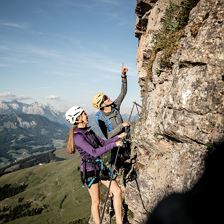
(101, 171)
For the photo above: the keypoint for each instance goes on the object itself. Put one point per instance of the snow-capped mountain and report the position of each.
(34, 108)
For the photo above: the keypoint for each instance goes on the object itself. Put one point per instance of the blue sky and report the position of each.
(63, 52)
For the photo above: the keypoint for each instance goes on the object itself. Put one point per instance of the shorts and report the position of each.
(93, 177)
(89, 176)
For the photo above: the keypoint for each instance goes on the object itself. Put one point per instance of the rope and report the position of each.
(111, 210)
(132, 168)
(113, 167)
(137, 109)
(131, 112)
(140, 195)
(136, 105)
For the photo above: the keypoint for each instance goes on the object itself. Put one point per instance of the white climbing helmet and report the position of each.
(72, 114)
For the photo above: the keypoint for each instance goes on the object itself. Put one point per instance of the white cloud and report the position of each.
(46, 53)
(112, 2)
(13, 25)
(6, 94)
(9, 61)
(10, 96)
(26, 54)
(23, 98)
(52, 97)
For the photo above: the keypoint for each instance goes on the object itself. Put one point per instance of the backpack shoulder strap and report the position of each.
(100, 116)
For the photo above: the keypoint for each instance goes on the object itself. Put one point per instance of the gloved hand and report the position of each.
(119, 143)
(125, 124)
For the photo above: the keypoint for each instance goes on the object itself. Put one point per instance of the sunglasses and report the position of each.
(105, 97)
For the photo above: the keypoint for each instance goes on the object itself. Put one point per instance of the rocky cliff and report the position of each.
(180, 62)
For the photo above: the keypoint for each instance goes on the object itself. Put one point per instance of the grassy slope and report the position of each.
(56, 185)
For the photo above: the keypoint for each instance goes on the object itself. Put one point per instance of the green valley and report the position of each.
(48, 193)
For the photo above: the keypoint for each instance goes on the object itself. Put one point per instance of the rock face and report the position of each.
(180, 63)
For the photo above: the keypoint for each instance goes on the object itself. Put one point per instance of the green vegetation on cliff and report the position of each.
(167, 39)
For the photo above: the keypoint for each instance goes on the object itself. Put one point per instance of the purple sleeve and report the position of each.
(95, 152)
(107, 141)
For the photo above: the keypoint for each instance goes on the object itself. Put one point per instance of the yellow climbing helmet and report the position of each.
(97, 100)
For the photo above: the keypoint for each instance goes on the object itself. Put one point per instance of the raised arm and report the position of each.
(124, 84)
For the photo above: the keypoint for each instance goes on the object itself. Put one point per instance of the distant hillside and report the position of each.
(46, 194)
(22, 135)
(33, 160)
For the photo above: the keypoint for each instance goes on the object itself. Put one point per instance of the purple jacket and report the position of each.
(91, 146)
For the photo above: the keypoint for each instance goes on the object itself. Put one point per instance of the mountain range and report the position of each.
(29, 129)
(16, 107)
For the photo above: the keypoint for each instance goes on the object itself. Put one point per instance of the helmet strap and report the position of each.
(104, 105)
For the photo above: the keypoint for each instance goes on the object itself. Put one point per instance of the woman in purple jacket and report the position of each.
(91, 147)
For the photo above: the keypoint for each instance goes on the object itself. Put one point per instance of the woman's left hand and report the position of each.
(122, 135)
